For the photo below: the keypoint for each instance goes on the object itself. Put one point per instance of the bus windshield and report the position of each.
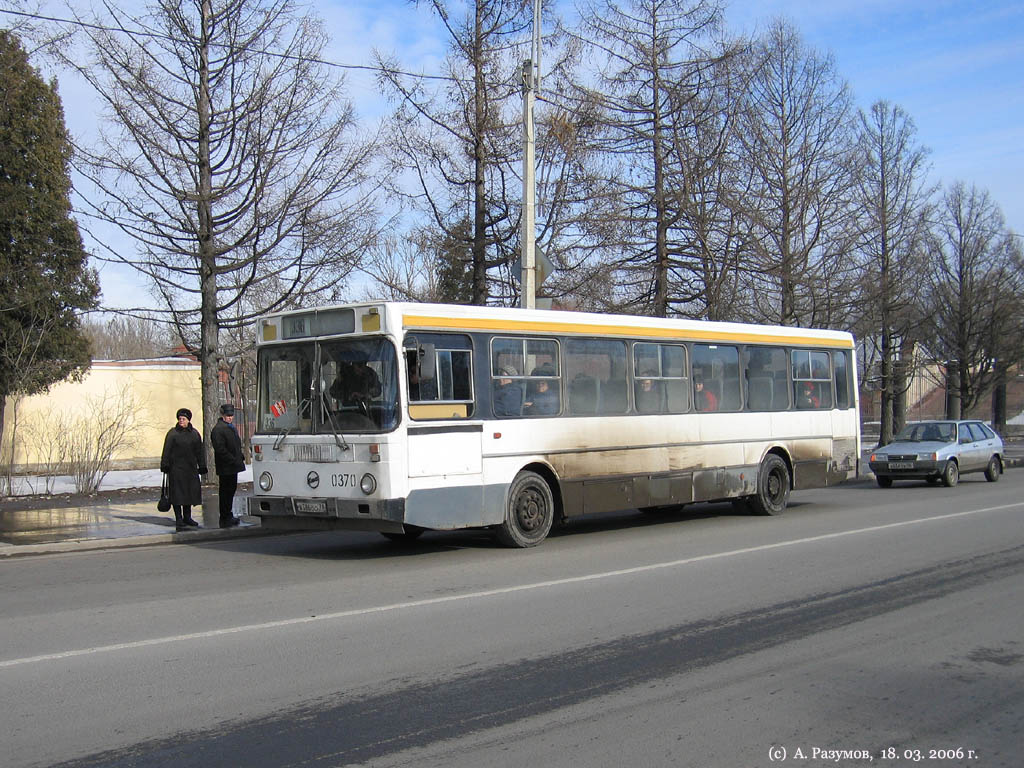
(329, 386)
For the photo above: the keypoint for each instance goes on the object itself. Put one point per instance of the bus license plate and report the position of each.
(311, 507)
(901, 465)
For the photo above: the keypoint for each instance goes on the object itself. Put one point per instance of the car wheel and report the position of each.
(530, 512)
(993, 470)
(884, 481)
(772, 487)
(950, 474)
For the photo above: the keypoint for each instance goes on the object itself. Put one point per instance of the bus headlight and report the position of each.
(368, 484)
(266, 481)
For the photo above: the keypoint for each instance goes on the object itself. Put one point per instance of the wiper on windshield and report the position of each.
(339, 439)
(285, 431)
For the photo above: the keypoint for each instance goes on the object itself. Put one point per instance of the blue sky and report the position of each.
(956, 66)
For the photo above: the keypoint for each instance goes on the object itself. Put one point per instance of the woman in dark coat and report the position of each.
(183, 460)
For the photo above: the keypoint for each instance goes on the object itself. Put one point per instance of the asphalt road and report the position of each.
(862, 619)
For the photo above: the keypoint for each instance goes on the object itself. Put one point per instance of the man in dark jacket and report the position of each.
(227, 456)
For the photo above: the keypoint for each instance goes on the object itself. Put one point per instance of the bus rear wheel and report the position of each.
(529, 513)
(772, 487)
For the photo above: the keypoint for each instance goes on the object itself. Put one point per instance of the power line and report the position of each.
(276, 54)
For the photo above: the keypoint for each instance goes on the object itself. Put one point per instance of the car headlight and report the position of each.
(368, 484)
(927, 456)
(879, 457)
(266, 481)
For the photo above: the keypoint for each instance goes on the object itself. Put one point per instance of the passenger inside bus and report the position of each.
(703, 399)
(808, 396)
(508, 396)
(542, 398)
(648, 394)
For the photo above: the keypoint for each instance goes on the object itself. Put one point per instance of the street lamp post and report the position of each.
(531, 83)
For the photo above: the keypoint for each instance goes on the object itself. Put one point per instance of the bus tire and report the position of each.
(772, 487)
(529, 513)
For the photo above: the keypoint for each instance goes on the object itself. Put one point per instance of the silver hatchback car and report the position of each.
(939, 450)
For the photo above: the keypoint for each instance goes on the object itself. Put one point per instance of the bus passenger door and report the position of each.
(445, 475)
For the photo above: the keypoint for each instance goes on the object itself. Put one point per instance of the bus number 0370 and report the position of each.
(343, 480)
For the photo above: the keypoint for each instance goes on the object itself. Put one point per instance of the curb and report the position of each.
(201, 535)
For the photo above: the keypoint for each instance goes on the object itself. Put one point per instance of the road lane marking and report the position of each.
(355, 612)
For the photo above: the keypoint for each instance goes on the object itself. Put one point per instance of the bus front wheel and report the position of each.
(772, 487)
(530, 512)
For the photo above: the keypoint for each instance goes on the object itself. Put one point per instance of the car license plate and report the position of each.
(311, 507)
(901, 465)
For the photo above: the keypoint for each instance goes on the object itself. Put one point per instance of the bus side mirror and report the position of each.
(428, 361)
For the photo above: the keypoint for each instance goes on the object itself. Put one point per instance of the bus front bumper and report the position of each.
(296, 514)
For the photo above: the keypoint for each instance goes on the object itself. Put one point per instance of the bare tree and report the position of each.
(892, 208)
(101, 427)
(709, 242)
(973, 295)
(27, 19)
(128, 337)
(653, 57)
(423, 265)
(794, 131)
(229, 157)
(456, 145)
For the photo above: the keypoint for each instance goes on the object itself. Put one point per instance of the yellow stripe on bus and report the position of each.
(540, 326)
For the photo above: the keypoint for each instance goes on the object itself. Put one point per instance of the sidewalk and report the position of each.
(107, 526)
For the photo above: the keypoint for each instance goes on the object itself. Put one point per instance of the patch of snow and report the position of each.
(122, 478)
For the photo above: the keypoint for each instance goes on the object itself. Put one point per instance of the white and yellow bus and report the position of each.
(400, 418)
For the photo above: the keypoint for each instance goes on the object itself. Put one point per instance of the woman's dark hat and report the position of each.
(227, 410)
(183, 412)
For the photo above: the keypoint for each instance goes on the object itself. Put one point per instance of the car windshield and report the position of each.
(928, 432)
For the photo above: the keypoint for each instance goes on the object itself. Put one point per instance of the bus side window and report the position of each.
(765, 369)
(596, 370)
(840, 364)
(525, 377)
(440, 377)
(812, 380)
(716, 377)
(648, 389)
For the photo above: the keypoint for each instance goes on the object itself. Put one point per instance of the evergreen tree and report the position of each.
(45, 281)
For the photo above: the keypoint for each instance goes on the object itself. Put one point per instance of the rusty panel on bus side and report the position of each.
(608, 495)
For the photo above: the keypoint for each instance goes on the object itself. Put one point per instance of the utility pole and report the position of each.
(531, 83)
